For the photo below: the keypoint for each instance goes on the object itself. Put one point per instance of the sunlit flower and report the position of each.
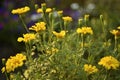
(90, 69)
(109, 62)
(14, 62)
(60, 34)
(118, 27)
(40, 26)
(26, 37)
(84, 30)
(3, 69)
(114, 32)
(48, 10)
(21, 10)
(67, 19)
(40, 10)
(60, 12)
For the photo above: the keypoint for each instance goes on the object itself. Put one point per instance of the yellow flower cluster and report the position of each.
(40, 26)
(21, 10)
(40, 10)
(26, 37)
(14, 62)
(90, 69)
(52, 51)
(67, 19)
(60, 34)
(109, 62)
(84, 30)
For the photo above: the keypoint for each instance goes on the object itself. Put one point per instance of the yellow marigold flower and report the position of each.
(40, 26)
(114, 32)
(60, 12)
(67, 19)
(26, 37)
(109, 62)
(3, 69)
(14, 62)
(84, 30)
(48, 10)
(90, 69)
(118, 27)
(20, 39)
(60, 34)
(21, 10)
(41, 10)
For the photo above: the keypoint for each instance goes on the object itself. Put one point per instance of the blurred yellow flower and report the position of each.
(21, 10)
(3, 69)
(43, 4)
(60, 34)
(109, 62)
(60, 12)
(118, 27)
(14, 62)
(90, 69)
(84, 30)
(114, 32)
(40, 10)
(26, 37)
(67, 19)
(40, 26)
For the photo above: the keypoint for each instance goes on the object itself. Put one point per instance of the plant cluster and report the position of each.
(57, 51)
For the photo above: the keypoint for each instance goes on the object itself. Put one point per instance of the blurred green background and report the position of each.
(11, 27)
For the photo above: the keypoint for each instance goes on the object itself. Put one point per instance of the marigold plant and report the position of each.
(109, 62)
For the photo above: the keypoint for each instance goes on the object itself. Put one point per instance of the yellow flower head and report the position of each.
(40, 26)
(109, 62)
(60, 34)
(114, 32)
(26, 37)
(118, 27)
(21, 10)
(40, 10)
(3, 69)
(14, 62)
(90, 69)
(67, 19)
(84, 30)
(48, 10)
(60, 12)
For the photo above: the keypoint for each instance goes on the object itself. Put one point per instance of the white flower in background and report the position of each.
(35, 17)
(74, 6)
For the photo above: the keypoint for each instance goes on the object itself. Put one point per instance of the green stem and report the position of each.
(116, 45)
(24, 25)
